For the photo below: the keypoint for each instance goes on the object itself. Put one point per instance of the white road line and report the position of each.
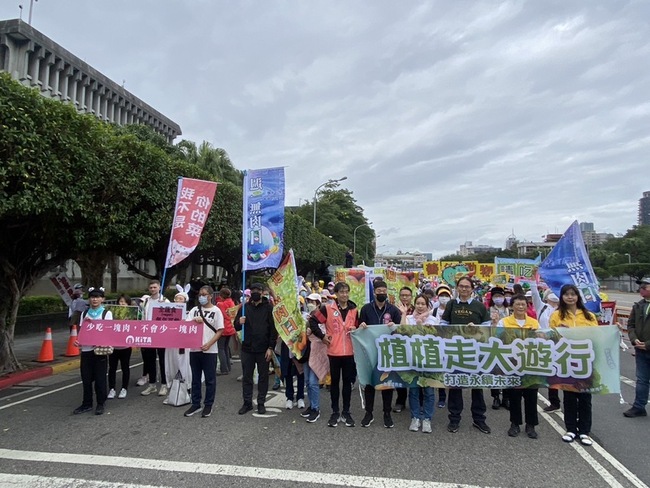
(22, 392)
(225, 470)
(629, 475)
(21, 480)
(628, 381)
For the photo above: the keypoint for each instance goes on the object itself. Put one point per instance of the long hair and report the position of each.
(564, 310)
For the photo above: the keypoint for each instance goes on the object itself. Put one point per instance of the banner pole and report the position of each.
(243, 301)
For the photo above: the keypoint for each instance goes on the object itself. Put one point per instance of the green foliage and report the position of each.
(41, 304)
(629, 254)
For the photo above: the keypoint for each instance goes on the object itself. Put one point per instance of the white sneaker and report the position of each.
(149, 390)
(162, 391)
(301, 404)
(122, 393)
(111, 394)
(289, 404)
(415, 425)
(142, 381)
(426, 426)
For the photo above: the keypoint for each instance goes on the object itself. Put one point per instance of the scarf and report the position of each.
(421, 318)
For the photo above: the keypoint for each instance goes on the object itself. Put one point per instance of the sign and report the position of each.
(263, 226)
(141, 333)
(524, 268)
(357, 280)
(63, 286)
(167, 312)
(580, 359)
(193, 202)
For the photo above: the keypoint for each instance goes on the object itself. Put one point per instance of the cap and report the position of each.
(443, 289)
(644, 281)
(315, 297)
(528, 294)
(325, 293)
(552, 297)
(77, 286)
(497, 290)
(247, 292)
(331, 283)
(96, 292)
(257, 286)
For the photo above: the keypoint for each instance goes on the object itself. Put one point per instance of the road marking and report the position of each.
(225, 470)
(16, 480)
(22, 392)
(629, 475)
(628, 381)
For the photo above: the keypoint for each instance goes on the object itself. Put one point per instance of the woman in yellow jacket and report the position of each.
(577, 406)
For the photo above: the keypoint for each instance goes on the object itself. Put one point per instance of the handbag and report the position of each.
(178, 394)
(103, 350)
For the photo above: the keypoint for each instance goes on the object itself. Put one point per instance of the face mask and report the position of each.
(256, 296)
(203, 300)
(311, 307)
(499, 301)
(506, 301)
(443, 300)
(381, 297)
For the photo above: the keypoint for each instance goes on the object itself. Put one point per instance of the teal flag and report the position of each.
(581, 359)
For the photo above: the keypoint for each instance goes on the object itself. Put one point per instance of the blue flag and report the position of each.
(568, 264)
(263, 226)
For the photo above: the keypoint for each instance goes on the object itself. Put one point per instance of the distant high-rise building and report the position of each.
(586, 226)
(644, 209)
(511, 241)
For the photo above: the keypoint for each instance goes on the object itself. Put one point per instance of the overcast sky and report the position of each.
(453, 121)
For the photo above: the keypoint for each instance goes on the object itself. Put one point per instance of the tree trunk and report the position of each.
(93, 265)
(115, 269)
(9, 311)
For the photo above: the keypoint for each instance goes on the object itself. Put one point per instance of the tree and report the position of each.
(629, 254)
(215, 161)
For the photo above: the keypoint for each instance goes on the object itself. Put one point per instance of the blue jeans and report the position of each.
(642, 378)
(206, 363)
(313, 391)
(424, 411)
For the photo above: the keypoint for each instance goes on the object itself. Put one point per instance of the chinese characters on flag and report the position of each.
(193, 202)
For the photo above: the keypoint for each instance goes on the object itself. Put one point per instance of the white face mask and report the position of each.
(311, 307)
(203, 300)
(443, 300)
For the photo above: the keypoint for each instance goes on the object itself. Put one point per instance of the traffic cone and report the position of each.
(72, 350)
(47, 349)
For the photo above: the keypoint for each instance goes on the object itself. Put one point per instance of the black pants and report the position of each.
(530, 405)
(93, 370)
(123, 357)
(442, 395)
(402, 394)
(248, 362)
(342, 367)
(386, 398)
(223, 343)
(455, 405)
(577, 412)
(149, 363)
(554, 397)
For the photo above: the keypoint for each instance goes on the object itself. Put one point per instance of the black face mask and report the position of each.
(256, 296)
(381, 297)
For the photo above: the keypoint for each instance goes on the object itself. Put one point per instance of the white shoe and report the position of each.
(289, 404)
(426, 426)
(111, 394)
(162, 391)
(149, 390)
(122, 393)
(142, 381)
(301, 404)
(166, 401)
(415, 425)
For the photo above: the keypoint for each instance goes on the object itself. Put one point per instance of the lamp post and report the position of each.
(354, 237)
(321, 186)
(629, 261)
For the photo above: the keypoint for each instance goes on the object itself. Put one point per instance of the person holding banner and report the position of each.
(498, 310)
(258, 346)
(176, 359)
(571, 312)
(465, 310)
(638, 329)
(149, 353)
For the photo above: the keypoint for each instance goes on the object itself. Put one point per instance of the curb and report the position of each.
(19, 377)
(65, 367)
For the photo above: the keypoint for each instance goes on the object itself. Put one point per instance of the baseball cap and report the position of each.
(552, 297)
(644, 281)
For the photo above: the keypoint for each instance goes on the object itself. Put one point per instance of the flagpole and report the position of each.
(244, 242)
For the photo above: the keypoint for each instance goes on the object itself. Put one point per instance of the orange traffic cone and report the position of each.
(72, 350)
(47, 349)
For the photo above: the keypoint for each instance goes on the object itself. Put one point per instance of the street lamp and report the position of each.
(354, 237)
(321, 186)
(629, 261)
(629, 258)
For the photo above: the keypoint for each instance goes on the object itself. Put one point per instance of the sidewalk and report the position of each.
(27, 347)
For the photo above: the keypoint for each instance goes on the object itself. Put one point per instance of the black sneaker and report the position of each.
(398, 408)
(191, 411)
(530, 431)
(314, 415)
(306, 412)
(334, 420)
(349, 421)
(247, 407)
(635, 412)
(453, 427)
(388, 421)
(367, 420)
(82, 409)
(99, 410)
(482, 426)
(514, 430)
(551, 408)
(496, 403)
(207, 411)
(261, 409)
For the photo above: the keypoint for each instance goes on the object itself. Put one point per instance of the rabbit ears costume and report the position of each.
(183, 291)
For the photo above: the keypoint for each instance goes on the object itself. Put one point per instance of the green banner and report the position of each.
(581, 359)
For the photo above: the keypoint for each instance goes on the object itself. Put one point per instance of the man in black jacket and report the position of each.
(638, 329)
(258, 343)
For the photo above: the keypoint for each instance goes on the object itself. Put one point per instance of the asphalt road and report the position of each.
(141, 442)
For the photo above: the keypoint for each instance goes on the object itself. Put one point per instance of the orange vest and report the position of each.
(339, 330)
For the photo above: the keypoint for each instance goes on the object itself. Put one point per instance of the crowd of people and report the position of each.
(328, 358)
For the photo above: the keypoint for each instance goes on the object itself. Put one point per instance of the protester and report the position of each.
(443, 294)
(259, 335)
(289, 371)
(177, 361)
(149, 353)
(203, 361)
(121, 355)
(464, 310)
(521, 320)
(77, 306)
(638, 329)
(340, 318)
(571, 312)
(93, 366)
(498, 310)
(405, 306)
(317, 361)
(421, 411)
(378, 311)
(225, 302)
